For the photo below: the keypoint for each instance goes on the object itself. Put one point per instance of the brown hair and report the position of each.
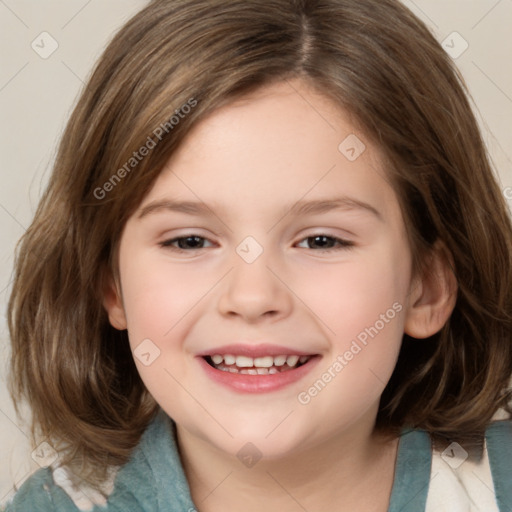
(376, 60)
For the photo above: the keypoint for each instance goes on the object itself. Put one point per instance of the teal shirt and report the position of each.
(153, 479)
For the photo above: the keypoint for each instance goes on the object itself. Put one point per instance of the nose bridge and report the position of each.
(251, 289)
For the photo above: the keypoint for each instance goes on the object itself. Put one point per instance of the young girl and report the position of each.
(272, 268)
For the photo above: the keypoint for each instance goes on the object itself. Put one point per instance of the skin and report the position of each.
(250, 162)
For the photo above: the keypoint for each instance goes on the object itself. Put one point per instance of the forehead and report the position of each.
(274, 118)
(278, 145)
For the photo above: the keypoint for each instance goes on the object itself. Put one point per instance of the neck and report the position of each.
(336, 474)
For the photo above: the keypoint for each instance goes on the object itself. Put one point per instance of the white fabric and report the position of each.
(466, 488)
(84, 497)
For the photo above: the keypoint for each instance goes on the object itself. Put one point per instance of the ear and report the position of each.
(433, 295)
(113, 303)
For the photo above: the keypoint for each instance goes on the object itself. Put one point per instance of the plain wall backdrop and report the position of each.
(48, 49)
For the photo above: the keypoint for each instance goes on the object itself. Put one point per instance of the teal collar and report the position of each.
(499, 448)
(165, 487)
(412, 472)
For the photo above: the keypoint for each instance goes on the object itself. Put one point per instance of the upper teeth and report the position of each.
(258, 362)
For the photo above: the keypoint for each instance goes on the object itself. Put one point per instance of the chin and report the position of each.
(276, 442)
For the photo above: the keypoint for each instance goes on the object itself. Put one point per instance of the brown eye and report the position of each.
(326, 242)
(185, 243)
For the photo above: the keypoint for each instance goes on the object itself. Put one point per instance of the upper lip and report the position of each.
(260, 350)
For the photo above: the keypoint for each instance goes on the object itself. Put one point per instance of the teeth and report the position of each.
(244, 362)
(292, 360)
(217, 359)
(264, 362)
(252, 366)
(279, 360)
(229, 359)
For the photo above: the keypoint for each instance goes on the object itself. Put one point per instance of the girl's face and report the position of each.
(272, 235)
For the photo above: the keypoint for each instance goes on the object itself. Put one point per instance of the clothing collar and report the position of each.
(168, 487)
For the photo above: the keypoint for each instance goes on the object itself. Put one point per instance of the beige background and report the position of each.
(37, 95)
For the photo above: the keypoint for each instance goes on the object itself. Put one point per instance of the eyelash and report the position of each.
(342, 244)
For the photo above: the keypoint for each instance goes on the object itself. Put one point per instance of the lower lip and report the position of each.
(245, 383)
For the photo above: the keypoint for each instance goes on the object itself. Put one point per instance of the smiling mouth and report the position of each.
(266, 365)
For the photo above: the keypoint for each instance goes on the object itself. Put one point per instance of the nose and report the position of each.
(254, 292)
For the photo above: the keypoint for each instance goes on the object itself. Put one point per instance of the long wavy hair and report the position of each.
(377, 61)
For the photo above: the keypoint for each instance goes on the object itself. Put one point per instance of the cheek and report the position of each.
(157, 295)
(349, 297)
(157, 298)
(361, 306)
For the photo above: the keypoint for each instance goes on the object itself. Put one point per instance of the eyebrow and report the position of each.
(300, 208)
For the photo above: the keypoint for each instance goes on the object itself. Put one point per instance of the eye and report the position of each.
(185, 243)
(327, 243)
(321, 242)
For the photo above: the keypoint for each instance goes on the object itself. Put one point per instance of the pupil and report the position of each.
(189, 241)
(315, 240)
